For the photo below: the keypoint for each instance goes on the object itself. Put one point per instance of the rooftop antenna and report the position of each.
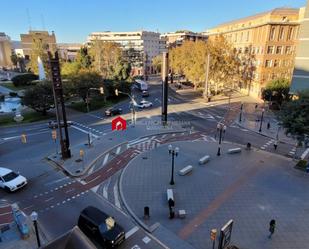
(29, 19)
(43, 22)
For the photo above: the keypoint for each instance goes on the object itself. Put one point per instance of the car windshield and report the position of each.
(10, 176)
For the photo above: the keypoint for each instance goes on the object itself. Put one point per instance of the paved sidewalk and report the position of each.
(251, 188)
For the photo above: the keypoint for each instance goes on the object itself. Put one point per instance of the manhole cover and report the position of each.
(78, 160)
(110, 138)
(77, 171)
(144, 157)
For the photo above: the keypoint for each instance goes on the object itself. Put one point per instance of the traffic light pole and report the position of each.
(164, 87)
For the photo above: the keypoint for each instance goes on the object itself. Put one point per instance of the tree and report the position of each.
(277, 90)
(39, 49)
(83, 59)
(157, 63)
(108, 60)
(39, 97)
(70, 68)
(14, 59)
(294, 116)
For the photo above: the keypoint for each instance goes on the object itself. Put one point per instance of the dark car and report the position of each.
(145, 94)
(54, 124)
(113, 111)
(100, 227)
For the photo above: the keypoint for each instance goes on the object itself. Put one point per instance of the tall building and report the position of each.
(5, 50)
(300, 79)
(271, 37)
(140, 47)
(27, 41)
(177, 38)
(68, 51)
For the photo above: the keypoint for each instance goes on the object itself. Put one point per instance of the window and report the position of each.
(279, 50)
(281, 33)
(247, 39)
(290, 33)
(276, 63)
(268, 63)
(257, 50)
(288, 50)
(270, 50)
(241, 36)
(272, 33)
(235, 38)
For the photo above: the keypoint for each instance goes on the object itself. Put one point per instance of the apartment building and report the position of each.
(140, 47)
(174, 39)
(300, 79)
(5, 50)
(68, 51)
(27, 41)
(271, 37)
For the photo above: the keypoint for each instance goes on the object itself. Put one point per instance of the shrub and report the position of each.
(24, 79)
(302, 164)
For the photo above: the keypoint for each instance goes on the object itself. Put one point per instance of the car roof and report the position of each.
(4, 171)
(96, 215)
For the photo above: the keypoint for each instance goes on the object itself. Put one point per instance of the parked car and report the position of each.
(101, 227)
(54, 124)
(11, 181)
(143, 104)
(113, 111)
(145, 94)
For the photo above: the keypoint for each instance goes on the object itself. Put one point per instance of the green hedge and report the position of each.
(302, 164)
(24, 79)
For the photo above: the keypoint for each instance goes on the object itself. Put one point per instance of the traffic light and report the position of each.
(213, 234)
(23, 138)
(101, 90)
(116, 92)
(54, 134)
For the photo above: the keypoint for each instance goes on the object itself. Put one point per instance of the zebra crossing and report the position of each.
(86, 129)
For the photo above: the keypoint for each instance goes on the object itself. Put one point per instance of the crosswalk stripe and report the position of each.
(116, 196)
(118, 150)
(105, 188)
(105, 159)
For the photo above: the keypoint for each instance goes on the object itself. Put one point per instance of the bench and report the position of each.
(182, 213)
(234, 150)
(204, 160)
(185, 170)
(170, 194)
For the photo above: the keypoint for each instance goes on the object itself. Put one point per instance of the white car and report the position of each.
(11, 181)
(143, 104)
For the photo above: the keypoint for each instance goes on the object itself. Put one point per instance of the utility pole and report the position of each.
(206, 80)
(164, 87)
(59, 104)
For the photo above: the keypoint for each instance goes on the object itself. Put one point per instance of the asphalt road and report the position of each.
(50, 191)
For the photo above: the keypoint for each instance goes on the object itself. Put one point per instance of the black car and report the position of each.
(100, 227)
(54, 124)
(113, 111)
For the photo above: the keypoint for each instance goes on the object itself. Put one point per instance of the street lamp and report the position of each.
(34, 218)
(101, 89)
(263, 110)
(173, 152)
(132, 100)
(240, 114)
(221, 129)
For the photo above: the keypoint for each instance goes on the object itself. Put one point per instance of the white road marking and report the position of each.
(95, 189)
(105, 188)
(49, 199)
(146, 239)
(116, 195)
(56, 181)
(93, 179)
(131, 232)
(105, 159)
(244, 129)
(84, 131)
(135, 247)
(304, 154)
(118, 150)
(212, 139)
(263, 148)
(164, 136)
(138, 141)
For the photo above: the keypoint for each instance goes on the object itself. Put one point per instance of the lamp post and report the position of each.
(132, 100)
(221, 129)
(101, 89)
(240, 114)
(173, 152)
(263, 110)
(34, 218)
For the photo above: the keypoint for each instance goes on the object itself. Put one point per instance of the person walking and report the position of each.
(276, 144)
(272, 226)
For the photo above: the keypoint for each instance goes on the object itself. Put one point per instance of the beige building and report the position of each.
(271, 37)
(27, 41)
(5, 50)
(68, 51)
(177, 38)
(300, 79)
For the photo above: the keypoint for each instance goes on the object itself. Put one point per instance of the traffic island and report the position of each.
(251, 188)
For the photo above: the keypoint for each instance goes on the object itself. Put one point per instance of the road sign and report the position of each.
(225, 235)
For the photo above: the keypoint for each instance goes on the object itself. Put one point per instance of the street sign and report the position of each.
(225, 235)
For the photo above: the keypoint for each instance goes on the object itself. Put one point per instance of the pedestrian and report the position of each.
(268, 125)
(275, 145)
(272, 226)
(256, 106)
